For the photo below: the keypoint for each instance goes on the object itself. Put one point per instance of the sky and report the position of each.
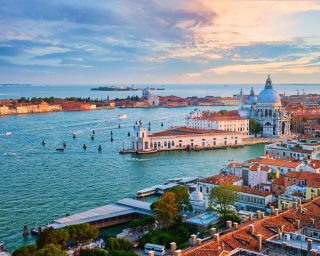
(159, 41)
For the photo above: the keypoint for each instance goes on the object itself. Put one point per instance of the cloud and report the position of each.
(196, 40)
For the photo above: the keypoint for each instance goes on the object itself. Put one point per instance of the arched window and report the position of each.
(266, 112)
(165, 144)
(270, 112)
(267, 124)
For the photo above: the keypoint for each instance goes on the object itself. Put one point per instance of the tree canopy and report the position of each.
(166, 209)
(254, 127)
(182, 197)
(93, 252)
(50, 250)
(222, 199)
(119, 247)
(26, 250)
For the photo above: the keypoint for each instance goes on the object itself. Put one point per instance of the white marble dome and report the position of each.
(196, 196)
(269, 96)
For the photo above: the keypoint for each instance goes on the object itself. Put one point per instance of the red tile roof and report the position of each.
(184, 131)
(276, 162)
(253, 191)
(221, 179)
(267, 227)
(278, 181)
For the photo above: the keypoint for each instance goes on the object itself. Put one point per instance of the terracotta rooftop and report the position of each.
(254, 191)
(184, 131)
(267, 227)
(278, 181)
(255, 167)
(307, 176)
(276, 162)
(221, 179)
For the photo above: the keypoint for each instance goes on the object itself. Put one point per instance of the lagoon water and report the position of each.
(39, 184)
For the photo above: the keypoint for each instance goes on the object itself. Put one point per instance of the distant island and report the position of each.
(121, 88)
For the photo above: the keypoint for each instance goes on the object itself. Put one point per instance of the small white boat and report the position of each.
(8, 133)
(122, 116)
(9, 153)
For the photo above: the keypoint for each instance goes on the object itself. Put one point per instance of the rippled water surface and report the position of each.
(39, 184)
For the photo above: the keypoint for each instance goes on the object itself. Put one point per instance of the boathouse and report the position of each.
(108, 215)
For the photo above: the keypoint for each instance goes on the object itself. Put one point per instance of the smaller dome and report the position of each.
(251, 100)
(196, 196)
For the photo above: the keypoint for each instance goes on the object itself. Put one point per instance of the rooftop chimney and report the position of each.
(213, 231)
(259, 242)
(177, 253)
(151, 253)
(299, 201)
(229, 224)
(312, 222)
(309, 244)
(258, 214)
(173, 247)
(193, 239)
(295, 205)
(235, 225)
(251, 229)
(250, 216)
(298, 224)
(262, 215)
(285, 206)
(272, 209)
(198, 241)
(216, 237)
(313, 195)
(276, 211)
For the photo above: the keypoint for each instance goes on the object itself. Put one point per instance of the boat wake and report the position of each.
(10, 153)
(138, 159)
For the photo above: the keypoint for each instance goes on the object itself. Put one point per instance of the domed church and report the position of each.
(266, 108)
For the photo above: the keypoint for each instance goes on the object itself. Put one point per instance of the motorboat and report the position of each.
(8, 133)
(122, 116)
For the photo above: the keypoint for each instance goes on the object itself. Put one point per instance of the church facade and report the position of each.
(267, 109)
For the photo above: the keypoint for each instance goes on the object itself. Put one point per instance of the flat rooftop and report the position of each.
(119, 208)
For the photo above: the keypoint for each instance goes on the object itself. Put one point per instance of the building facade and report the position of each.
(267, 109)
(213, 121)
(183, 138)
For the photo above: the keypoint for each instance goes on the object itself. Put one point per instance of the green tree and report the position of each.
(254, 127)
(82, 233)
(222, 198)
(182, 197)
(93, 252)
(50, 250)
(48, 236)
(26, 250)
(222, 111)
(166, 209)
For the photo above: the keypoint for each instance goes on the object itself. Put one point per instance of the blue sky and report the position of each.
(148, 41)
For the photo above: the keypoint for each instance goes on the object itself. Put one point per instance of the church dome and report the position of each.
(269, 95)
(196, 196)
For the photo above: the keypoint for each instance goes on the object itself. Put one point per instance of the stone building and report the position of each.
(267, 109)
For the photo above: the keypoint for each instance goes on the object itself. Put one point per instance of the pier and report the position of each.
(121, 211)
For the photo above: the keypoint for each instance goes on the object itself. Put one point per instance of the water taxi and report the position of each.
(122, 116)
